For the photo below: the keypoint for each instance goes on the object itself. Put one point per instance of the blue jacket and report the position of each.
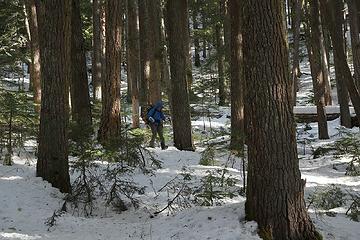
(156, 112)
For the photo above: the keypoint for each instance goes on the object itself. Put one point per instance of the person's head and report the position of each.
(159, 105)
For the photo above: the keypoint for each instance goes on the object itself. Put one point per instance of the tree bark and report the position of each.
(325, 69)
(275, 192)
(110, 116)
(133, 66)
(353, 7)
(97, 50)
(154, 50)
(179, 47)
(295, 23)
(144, 53)
(332, 10)
(237, 76)
(79, 88)
(35, 72)
(316, 65)
(55, 40)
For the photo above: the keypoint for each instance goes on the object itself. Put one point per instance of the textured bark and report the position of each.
(353, 6)
(295, 25)
(179, 47)
(332, 10)
(55, 39)
(342, 94)
(275, 192)
(154, 50)
(315, 57)
(35, 72)
(110, 116)
(325, 69)
(237, 76)
(133, 67)
(79, 88)
(97, 50)
(144, 53)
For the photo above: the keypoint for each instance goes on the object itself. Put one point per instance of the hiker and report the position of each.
(155, 119)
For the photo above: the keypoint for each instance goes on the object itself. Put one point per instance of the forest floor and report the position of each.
(27, 202)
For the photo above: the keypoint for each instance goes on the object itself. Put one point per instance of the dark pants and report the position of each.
(157, 129)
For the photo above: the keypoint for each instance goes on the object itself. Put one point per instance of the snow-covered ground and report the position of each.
(27, 202)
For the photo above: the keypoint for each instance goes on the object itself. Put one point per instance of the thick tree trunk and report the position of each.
(355, 38)
(275, 192)
(315, 55)
(110, 116)
(179, 47)
(55, 40)
(80, 96)
(237, 77)
(97, 50)
(343, 95)
(144, 53)
(332, 10)
(133, 66)
(155, 51)
(295, 23)
(35, 72)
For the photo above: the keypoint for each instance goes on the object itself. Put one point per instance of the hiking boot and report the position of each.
(163, 146)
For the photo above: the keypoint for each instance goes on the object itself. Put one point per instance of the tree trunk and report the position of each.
(80, 96)
(165, 69)
(35, 72)
(133, 66)
(97, 50)
(195, 13)
(144, 53)
(179, 47)
(275, 192)
(342, 94)
(155, 51)
(325, 69)
(332, 10)
(55, 40)
(237, 77)
(295, 23)
(103, 43)
(204, 42)
(355, 39)
(220, 60)
(315, 55)
(110, 116)
(227, 29)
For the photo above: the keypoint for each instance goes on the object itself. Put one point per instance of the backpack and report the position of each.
(144, 113)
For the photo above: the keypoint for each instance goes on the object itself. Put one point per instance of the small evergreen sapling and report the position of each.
(18, 122)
